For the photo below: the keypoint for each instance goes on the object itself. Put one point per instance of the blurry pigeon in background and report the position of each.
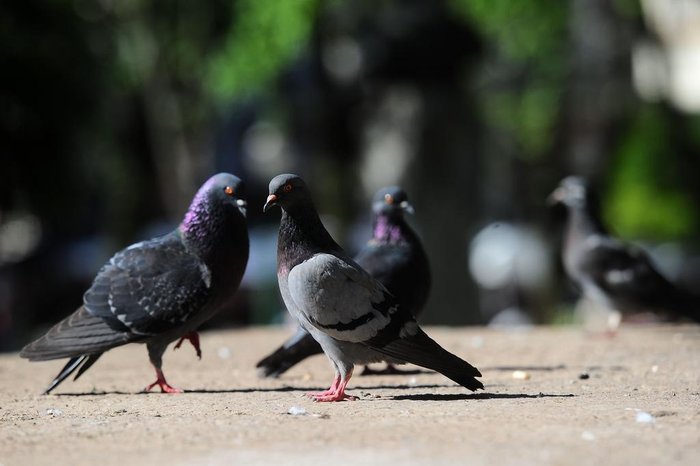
(615, 276)
(394, 256)
(350, 314)
(159, 290)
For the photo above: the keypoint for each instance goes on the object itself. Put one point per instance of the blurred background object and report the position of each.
(112, 113)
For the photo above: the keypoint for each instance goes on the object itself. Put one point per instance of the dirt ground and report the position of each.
(639, 405)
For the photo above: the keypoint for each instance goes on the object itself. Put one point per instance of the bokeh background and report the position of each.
(112, 112)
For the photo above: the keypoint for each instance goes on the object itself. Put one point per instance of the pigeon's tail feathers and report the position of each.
(421, 350)
(78, 334)
(83, 362)
(296, 349)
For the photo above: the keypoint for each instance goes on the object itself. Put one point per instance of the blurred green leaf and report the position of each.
(265, 36)
(523, 30)
(645, 199)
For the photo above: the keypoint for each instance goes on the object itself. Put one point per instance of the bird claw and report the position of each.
(193, 337)
(340, 396)
(335, 393)
(165, 387)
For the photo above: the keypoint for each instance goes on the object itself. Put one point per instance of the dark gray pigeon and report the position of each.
(159, 290)
(617, 276)
(394, 256)
(350, 314)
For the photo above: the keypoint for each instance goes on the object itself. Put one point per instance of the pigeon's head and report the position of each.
(285, 191)
(222, 189)
(573, 191)
(391, 201)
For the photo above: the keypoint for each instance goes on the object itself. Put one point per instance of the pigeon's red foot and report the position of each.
(193, 337)
(330, 391)
(335, 397)
(165, 387)
(335, 393)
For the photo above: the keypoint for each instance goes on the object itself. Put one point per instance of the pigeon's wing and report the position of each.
(338, 297)
(623, 271)
(78, 334)
(143, 290)
(150, 287)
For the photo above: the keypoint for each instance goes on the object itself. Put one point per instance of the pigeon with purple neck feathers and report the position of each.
(160, 290)
(394, 256)
(348, 312)
(618, 277)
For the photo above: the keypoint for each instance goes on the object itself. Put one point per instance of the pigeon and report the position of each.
(158, 290)
(394, 255)
(348, 312)
(613, 275)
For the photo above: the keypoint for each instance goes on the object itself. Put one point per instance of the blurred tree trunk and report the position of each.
(599, 84)
(446, 170)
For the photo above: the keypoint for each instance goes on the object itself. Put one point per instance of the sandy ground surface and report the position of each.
(639, 405)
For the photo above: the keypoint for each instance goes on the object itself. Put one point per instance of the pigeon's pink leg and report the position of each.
(194, 339)
(163, 384)
(333, 388)
(337, 394)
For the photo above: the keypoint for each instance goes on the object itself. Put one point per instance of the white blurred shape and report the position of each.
(343, 59)
(649, 71)
(677, 24)
(502, 254)
(390, 138)
(265, 147)
(20, 234)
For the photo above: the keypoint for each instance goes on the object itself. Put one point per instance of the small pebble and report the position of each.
(521, 375)
(297, 411)
(54, 412)
(584, 376)
(224, 352)
(644, 418)
(585, 435)
(654, 369)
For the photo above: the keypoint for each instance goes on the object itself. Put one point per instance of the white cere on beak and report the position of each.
(242, 205)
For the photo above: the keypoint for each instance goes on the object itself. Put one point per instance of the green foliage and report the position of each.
(523, 30)
(645, 199)
(264, 37)
(529, 115)
(529, 39)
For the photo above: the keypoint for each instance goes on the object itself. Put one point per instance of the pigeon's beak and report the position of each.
(556, 197)
(407, 207)
(242, 206)
(271, 201)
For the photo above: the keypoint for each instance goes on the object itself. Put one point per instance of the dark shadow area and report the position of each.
(525, 368)
(476, 396)
(394, 372)
(252, 390)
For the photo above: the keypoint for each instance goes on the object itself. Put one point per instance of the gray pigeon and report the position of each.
(616, 276)
(394, 255)
(350, 314)
(159, 290)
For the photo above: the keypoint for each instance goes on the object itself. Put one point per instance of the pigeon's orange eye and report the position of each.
(388, 199)
(228, 190)
(287, 188)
